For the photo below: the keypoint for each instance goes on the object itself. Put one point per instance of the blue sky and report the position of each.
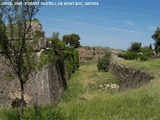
(113, 23)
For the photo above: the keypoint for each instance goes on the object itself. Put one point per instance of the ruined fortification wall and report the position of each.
(43, 87)
(129, 77)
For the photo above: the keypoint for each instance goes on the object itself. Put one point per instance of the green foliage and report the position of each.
(147, 51)
(47, 58)
(72, 40)
(156, 37)
(135, 47)
(36, 20)
(136, 104)
(8, 76)
(132, 55)
(150, 47)
(136, 52)
(9, 114)
(74, 88)
(72, 60)
(38, 34)
(44, 113)
(103, 63)
(59, 52)
(54, 53)
(15, 30)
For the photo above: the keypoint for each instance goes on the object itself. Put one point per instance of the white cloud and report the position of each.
(128, 31)
(129, 22)
(91, 26)
(79, 17)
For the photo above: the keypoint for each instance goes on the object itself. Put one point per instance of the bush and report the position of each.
(103, 64)
(128, 55)
(142, 57)
(147, 51)
(132, 55)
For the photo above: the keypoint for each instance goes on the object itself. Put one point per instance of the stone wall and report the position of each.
(44, 86)
(129, 77)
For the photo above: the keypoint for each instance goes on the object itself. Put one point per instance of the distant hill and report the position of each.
(92, 54)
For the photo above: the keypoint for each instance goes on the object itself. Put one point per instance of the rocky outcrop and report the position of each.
(129, 77)
(91, 54)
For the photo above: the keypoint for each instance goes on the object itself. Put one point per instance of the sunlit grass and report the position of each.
(150, 66)
(82, 102)
(137, 104)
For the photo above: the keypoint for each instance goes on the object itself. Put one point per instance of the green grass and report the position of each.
(8, 114)
(137, 104)
(150, 66)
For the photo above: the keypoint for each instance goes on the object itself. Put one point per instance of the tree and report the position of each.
(72, 40)
(150, 47)
(156, 37)
(16, 39)
(135, 47)
(103, 64)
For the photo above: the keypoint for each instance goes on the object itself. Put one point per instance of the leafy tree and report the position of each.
(156, 37)
(15, 41)
(72, 40)
(150, 47)
(135, 47)
(58, 45)
(65, 57)
(103, 64)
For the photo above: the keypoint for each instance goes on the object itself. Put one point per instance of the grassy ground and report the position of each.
(139, 104)
(150, 66)
(84, 101)
(83, 84)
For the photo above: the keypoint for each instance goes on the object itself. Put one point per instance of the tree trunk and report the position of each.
(22, 99)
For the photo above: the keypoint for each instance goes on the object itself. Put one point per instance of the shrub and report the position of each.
(142, 57)
(132, 55)
(103, 64)
(147, 51)
(135, 47)
(128, 55)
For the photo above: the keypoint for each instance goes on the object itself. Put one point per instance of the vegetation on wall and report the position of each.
(59, 52)
(17, 44)
(72, 60)
(15, 29)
